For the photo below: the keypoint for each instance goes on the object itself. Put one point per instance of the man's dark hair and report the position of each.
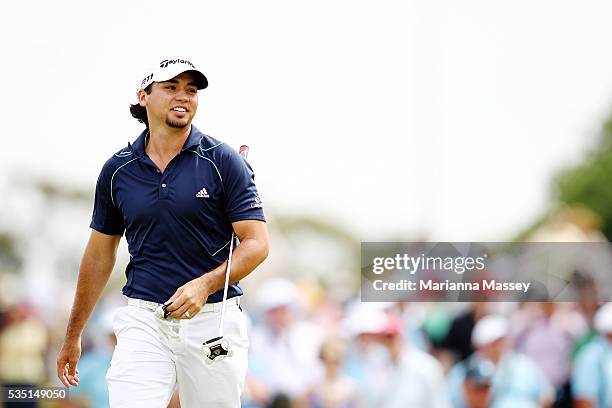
(140, 112)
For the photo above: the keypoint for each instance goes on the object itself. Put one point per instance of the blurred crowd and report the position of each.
(309, 350)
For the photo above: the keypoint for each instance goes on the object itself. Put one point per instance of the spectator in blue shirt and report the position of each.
(515, 376)
(592, 371)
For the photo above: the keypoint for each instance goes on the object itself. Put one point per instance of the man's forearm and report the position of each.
(93, 276)
(246, 257)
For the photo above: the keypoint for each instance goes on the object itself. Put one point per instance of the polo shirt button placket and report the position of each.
(163, 191)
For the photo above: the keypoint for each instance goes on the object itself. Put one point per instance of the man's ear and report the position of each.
(142, 97)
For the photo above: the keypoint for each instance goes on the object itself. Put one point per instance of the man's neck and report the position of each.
(165, 141)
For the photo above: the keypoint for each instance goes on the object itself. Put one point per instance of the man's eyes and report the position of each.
(173, 87)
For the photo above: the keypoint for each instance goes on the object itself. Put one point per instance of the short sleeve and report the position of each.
(242, 200)
(106, 218)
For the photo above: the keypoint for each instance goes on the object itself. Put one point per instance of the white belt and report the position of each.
(208, 307)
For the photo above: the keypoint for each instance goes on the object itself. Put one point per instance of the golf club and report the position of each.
(218, 347)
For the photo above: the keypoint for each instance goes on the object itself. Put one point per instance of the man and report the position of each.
(177, 194)
(515, 377)
(546, 333)
(479, 378)
(477, 383)
(285, 348)
(400, 376)
(592, 371)
(458, 339)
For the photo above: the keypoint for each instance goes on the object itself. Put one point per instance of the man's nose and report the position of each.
(182, 95)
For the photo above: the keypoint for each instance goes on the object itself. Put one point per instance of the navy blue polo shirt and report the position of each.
(177, 223)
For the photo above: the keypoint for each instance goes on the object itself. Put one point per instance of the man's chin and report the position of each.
(178, 124)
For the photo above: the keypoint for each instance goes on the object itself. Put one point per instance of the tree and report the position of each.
(590, 183)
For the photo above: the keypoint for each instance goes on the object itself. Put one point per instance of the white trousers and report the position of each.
(154, 355)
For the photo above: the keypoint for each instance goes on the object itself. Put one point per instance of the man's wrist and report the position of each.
(207, 283)
(72, 337)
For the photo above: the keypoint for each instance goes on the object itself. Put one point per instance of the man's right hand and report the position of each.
(67, 361)
(96, 267)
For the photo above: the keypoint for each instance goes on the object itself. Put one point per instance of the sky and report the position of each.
(398, 119)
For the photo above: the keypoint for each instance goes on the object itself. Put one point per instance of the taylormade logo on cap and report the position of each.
(165, 63)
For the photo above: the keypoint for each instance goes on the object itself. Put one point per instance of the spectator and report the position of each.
(546, 335)
(592, 371)
(333, 390)
(283, 360)
(458, 339)
(23, 342)
(588, 303)
(365, 353)
(477, 384)
(411, 377)
(515, 375)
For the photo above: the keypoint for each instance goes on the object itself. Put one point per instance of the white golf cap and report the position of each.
(489, 329)
(169, 68)
(277, 292)
(603, 319)
(364, 320)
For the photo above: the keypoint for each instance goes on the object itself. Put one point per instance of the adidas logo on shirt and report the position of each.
(202, 193)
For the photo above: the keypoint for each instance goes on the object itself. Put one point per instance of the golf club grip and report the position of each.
(244, 151)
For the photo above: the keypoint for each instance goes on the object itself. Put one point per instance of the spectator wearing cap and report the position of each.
(592, 371)
(477, 384)
(410, 378)
(515, 375)
(362, 326)
(283, 363)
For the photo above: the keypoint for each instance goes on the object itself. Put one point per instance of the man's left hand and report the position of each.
(188, 300)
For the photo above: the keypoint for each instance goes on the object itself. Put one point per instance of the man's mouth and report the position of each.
(179, 109)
